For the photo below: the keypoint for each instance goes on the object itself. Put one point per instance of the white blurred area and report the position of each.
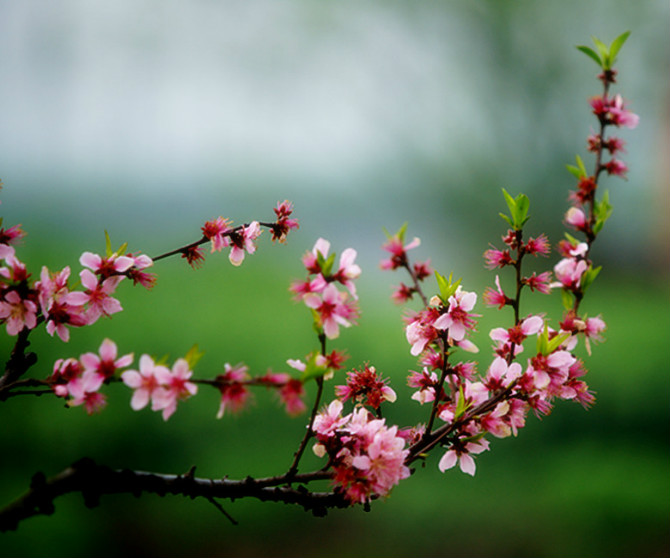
(365, 114)
(229, 88)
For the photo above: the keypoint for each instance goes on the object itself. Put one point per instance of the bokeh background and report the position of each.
(146, 118)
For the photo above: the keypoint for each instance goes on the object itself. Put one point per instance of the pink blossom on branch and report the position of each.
(104, 365)
(462, 454)
(174, 388)
(97, 296)
(145, 382)
(18, 313)
(333, 310)
(243, 241)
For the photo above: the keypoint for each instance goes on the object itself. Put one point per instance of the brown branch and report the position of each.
(19, 361)
(93, 480)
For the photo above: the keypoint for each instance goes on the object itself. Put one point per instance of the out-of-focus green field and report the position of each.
(577, 483)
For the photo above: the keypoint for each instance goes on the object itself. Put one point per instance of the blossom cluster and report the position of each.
(419, 271)
(241, 239)
(367, 456)
(79, 380)
(332, 308)
(51, 299)
(235, 382)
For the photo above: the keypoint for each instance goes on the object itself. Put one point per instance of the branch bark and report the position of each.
(93, 480)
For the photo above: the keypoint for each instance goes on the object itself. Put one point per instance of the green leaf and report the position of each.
(518, 208)
(400, 234)
(193, 356)
(462, 405)
(566, 298)
(602, 211)
(522, 206)
(546, 346)
(511, 202)
(509, 221)
(447, 287)
(574, 171)
(571, 239)
(108, 245)
(325, 264)
(580, 164)
(312, 369)
(604, 52)
(592, 53)
(555, 342)
(616, 45)
(589, 277)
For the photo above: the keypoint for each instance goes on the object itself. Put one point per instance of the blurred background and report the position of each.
(146, 118)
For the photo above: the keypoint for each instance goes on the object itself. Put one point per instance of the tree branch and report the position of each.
(93, 480)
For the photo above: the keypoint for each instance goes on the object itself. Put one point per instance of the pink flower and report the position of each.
(540, 283)
(174, 388)
(458, 319)
(569, 273)
(194, 256)
(291, 395)
(105, 364)
(136, 273)
(284, 224)
(518, 333)
(333, 309)
(496, 297)
(11, 235)
(231, 384)
(145, 382)
(97, 296)
(367, 457)
(348, 270)
(618, 114)
(421, 330)
(106, 267)
(84, 391)
(616, 168)
(402, 293)
(426, 382)
(243, 240)
(462, 456)
(65, 371)
(501, 375)
(366, 386)
(398, 252)
(216, 231)
(18, 313)
(329, 420)
(538, 246)
(549, 372)
(497, 258)
(575, 218)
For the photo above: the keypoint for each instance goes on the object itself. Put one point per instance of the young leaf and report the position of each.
(566, 298)
(604, 52)
(447, 287)
(602, 211)
(616, 45)
(462, 405)
(590, 276)
(580, 164)
(108, 245)
(312, 369)
(400, 234)
(592, 53)
(193, 356)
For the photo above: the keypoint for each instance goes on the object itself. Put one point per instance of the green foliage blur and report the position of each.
(577, 483)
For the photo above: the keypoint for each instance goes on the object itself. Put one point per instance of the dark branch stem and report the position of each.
(93, 480)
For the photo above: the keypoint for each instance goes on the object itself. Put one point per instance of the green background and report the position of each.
(427, 112)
